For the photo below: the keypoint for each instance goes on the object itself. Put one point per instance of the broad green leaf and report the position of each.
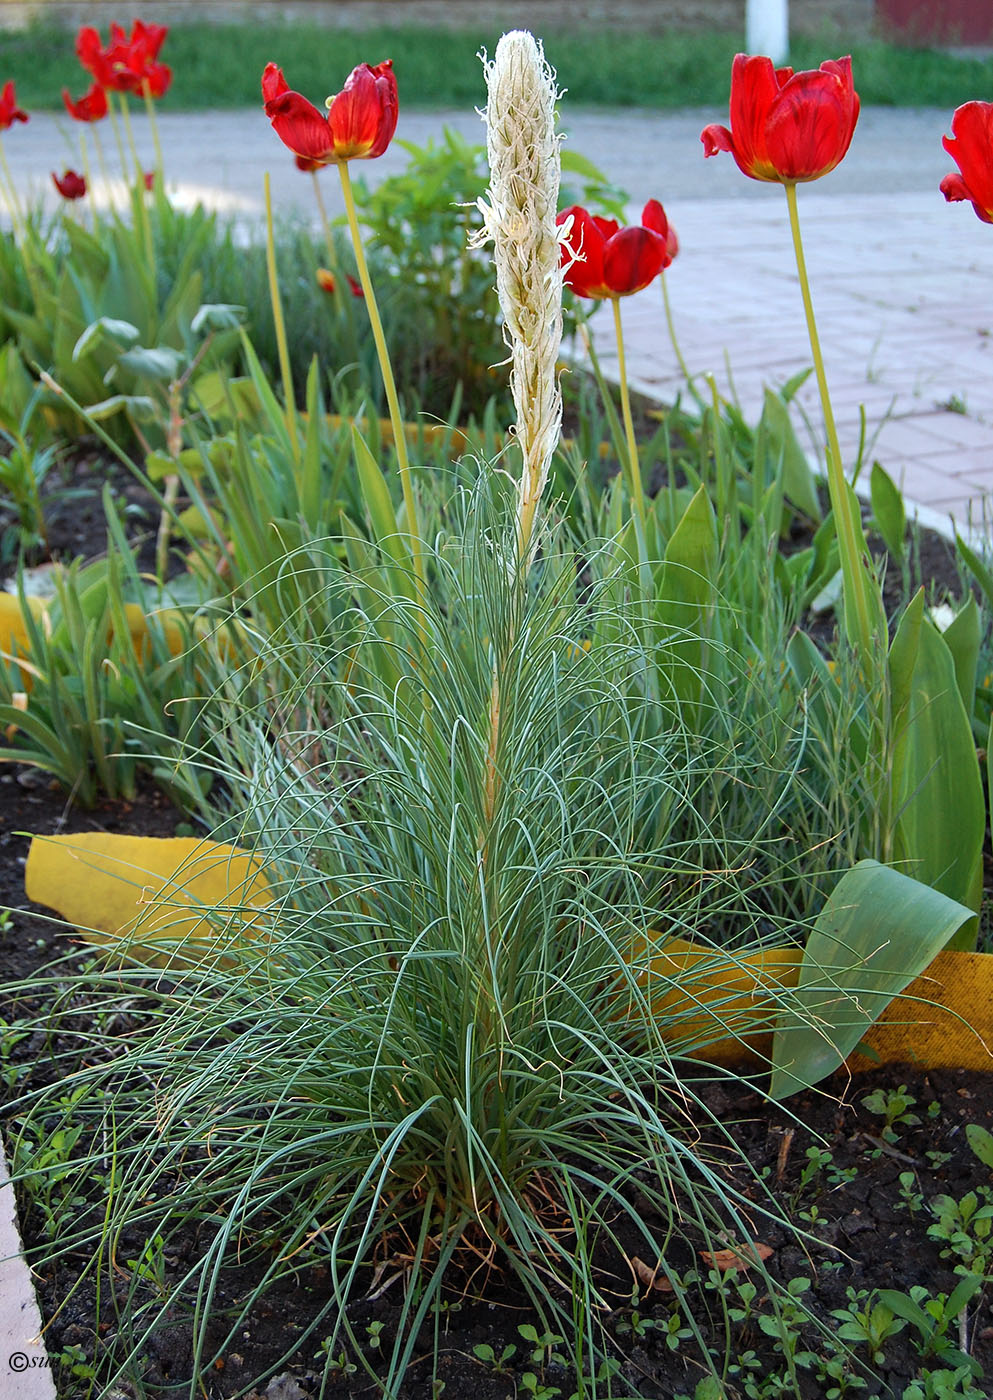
(687, 598)
(980, 1139)
(978, 569)
(217, 316)
(888, 510)
(784, 449)
(878, 931)
(120, 335)
(155, 362)
(962, 638)
(138, 404)
(938, 817)
(575, 164)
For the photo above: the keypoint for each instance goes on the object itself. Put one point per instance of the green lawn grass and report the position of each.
(221, 66)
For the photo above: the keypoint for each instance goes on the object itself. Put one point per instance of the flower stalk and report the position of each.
(864, 623)
(523, 151)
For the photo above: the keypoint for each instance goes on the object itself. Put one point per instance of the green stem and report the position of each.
(389, 384)
(862, 619)
(634, 466)
(325, 225)
(672, 331)
(154, 126)
(141, 207)
(10, 194)
(139, 173)
(105, 174)
(280, 327)
(84, 157)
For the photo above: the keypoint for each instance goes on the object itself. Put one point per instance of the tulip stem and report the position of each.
(389, 384)
(13, 202)
(280, 327)
(84, 157)
(634, 466)
(153, 123)
(862, 611)
(104, 172)
(684, 369)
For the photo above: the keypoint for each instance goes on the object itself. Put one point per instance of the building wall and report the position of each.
(965, 22)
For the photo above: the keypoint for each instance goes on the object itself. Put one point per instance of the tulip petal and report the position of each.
(971, 147)
(301, 127)
(717, 138)
(273, 83)
(582, 259)
(632, 259)
(363, 116)
(755, 86)
(811, 124)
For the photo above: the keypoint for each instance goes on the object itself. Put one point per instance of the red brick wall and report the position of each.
(950, 22)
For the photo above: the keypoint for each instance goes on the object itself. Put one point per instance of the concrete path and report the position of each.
(902, 282)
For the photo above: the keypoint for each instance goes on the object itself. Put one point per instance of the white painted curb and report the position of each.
(24, 1364)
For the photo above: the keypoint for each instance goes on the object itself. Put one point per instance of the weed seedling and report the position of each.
(894, 1107)
(869, 1321)
(498, 1364)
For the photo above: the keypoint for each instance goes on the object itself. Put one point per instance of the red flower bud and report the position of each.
(604, 260)
(971, 147)
(359, 125)
(785, 126)
(71, 185)
(653, 216)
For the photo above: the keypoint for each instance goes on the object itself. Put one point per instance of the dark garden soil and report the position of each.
(864, 1203)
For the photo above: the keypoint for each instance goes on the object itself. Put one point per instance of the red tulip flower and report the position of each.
(9, 110)
(91, 107)
(653, 216)
(604, 260)
(126, 65)
(71, 185)
(787, 127)
(971, 147)
(360, 121)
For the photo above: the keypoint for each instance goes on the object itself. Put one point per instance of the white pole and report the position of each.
(767, 28)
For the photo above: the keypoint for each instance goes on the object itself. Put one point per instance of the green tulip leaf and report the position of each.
(878, 931)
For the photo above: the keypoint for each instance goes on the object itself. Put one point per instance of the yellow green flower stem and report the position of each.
(139, 197)
(104, 172)
(12, 200)
(389, 384)
(84, 157)
(634, 466)
(154, 125)
(279, 323)
(862, 619)
(672, 330)
(325, 225)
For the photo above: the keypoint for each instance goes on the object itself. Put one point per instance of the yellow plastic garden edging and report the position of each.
(137, 891)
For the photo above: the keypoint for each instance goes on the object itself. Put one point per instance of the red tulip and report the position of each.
(359, 124)
(126, 65)
(605, 260)
(9, 110)
(653, 216)
(71, 186)
(785, 126)
(91, 107)
(971, 147)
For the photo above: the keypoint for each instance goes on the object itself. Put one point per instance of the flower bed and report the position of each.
(524, 782)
